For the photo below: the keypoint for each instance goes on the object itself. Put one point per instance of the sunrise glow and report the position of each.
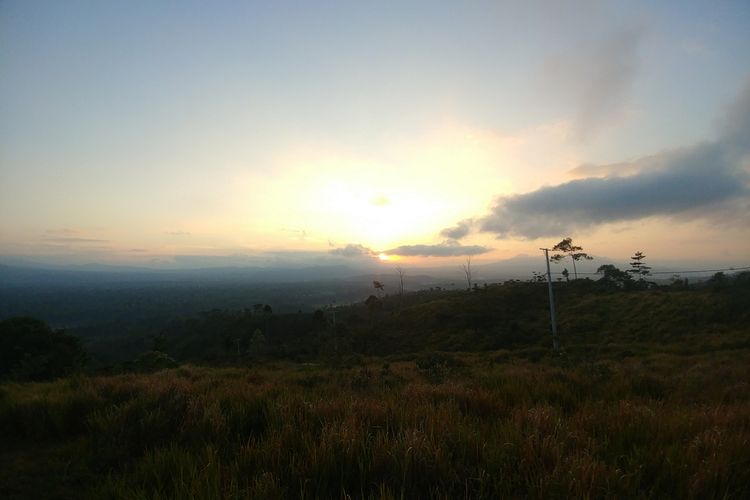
(265, 145)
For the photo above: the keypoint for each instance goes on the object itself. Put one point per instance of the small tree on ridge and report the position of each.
(638, 267)
(568, 249)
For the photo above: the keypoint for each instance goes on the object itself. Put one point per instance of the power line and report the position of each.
(683, 272)
(702, 270)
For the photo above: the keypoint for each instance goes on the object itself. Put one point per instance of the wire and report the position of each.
(703, 270)
(681, 272)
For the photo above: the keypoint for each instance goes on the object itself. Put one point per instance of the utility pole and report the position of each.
(555, 343)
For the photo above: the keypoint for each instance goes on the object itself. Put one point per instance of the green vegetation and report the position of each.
(513, 315)
(31, 350)
(434, 395)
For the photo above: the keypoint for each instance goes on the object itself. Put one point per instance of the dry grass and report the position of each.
(659, 425)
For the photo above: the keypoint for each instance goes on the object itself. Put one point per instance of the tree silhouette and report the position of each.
(638, 267)
(568, 249)
(401, 275)
(614, 276)
(466, 268)
(31, 350)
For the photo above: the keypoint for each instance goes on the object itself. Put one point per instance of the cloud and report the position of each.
(73, 239)
(353, 250)
(735, 126)
(596, 77)
(459, 231)
(64, 231)
(703, 180)
(445, 249)
(615, 169)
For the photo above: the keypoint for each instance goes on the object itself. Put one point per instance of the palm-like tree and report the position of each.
(566, 248)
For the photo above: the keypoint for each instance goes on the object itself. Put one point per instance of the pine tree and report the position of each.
(638, 267)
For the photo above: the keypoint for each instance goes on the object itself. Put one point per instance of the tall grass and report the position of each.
(657, 425)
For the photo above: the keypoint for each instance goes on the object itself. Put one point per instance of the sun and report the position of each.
(383, 257)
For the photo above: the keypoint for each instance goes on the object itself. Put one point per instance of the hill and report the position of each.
(436, 394)
(511, 316)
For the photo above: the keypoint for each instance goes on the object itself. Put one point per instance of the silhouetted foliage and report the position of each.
(718, 281)
(568, 249)
(537, 277)
(31, 350)
(613, 276)
(401, 273)
(639, 269)
(466, 268)
(513, 315)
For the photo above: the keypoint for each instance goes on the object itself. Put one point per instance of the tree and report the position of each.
(718, 281)
(374, 304)
(568, 249)
(31, 350)
(401, 275)
(379, 286)
(537, 277)
(638, 267)
(614, 276)
(466, 268)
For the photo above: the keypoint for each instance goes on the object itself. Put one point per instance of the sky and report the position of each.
(421, 132)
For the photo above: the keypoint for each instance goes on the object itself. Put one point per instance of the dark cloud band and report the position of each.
(699, 181)
(352, 250)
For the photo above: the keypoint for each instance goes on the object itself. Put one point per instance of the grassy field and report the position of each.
(438, 394)
(635, 421)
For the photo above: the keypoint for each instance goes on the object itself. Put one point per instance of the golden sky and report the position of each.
(140, 136)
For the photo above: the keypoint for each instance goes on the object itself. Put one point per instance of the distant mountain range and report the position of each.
(15, 273)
